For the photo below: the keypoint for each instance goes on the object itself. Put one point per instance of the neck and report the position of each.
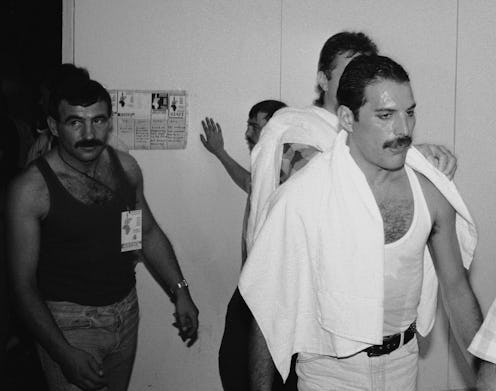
(84, 167)
(376, 176)
(330, 105)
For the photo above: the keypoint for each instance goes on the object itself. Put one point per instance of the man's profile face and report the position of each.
(83, 131)
(254, 128)
(382, 134)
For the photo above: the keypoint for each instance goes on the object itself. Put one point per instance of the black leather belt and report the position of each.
(391, 342)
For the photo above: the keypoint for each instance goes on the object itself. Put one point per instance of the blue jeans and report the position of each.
(396, 371)
(109, 333)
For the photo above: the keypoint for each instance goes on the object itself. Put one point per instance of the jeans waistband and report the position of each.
(121, 306)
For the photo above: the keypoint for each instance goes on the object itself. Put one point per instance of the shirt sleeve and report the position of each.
(484, 343)
(294, 157)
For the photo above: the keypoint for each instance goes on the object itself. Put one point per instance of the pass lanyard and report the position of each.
(92, 178)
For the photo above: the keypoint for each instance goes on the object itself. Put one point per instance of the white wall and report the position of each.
(229, 54)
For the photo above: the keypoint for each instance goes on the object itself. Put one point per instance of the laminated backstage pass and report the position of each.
(131, 230)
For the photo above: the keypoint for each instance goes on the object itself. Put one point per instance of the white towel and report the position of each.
(309, 285)
(313, 126)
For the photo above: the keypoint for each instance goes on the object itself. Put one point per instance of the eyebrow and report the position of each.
(72, 117)
(77, 117)
(393, 110)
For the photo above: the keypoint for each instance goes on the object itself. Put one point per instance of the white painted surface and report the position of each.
(230, 54)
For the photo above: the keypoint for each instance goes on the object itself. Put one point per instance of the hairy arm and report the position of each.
(214, 143)
(261, 367)
(27, 203)
(458, 297)
(160, 255)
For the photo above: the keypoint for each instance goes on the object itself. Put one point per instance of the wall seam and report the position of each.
(457, 41)
(74, 31)
(280, 49)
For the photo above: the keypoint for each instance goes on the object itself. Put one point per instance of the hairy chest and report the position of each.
(397, 217)
(96, 190)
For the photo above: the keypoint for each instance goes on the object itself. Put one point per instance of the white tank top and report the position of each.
(403, 266)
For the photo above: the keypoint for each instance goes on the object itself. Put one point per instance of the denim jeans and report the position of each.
(389, 372)
(109, 333)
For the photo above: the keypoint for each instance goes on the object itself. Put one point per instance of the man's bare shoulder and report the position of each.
(438, 205)
(28, 193)
(130, 166)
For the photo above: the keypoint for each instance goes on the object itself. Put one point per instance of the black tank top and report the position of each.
(80, 256)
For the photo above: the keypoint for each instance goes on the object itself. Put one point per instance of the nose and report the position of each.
(402, 126)
(88, 130)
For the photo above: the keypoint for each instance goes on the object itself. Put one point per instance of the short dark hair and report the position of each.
(268, 107)
(63, 73)
(363, 71)
(343, 42)
(78, 92)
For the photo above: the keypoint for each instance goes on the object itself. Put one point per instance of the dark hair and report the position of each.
(341, 43)
(63, 73)
(268, 107)
(78, 92)
(363, 71)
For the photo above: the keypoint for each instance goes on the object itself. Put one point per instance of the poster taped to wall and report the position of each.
(149, 119)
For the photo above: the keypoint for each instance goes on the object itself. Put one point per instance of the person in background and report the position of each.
(45, 140)
(233, 352)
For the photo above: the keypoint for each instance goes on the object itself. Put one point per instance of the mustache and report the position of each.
(88, 143)
(400, 142)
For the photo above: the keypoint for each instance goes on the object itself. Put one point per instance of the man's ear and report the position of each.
(52, 125)
(322, 81)
(346, 118)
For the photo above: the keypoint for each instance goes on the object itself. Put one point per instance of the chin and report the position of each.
(396, 166)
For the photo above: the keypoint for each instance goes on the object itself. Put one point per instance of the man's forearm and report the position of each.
(261, 366)
(40, 322)
(160, 255)
(465, 318)
(239, 174)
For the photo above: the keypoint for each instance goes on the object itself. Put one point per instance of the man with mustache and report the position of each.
(338, 271)
(233, 352)
(76, 219)
(292, 139)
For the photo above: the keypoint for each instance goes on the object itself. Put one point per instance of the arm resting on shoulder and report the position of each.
(440, 157)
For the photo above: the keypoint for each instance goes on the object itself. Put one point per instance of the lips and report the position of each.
(398, 150)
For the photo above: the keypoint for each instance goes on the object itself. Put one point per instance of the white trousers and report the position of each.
(396, 371)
